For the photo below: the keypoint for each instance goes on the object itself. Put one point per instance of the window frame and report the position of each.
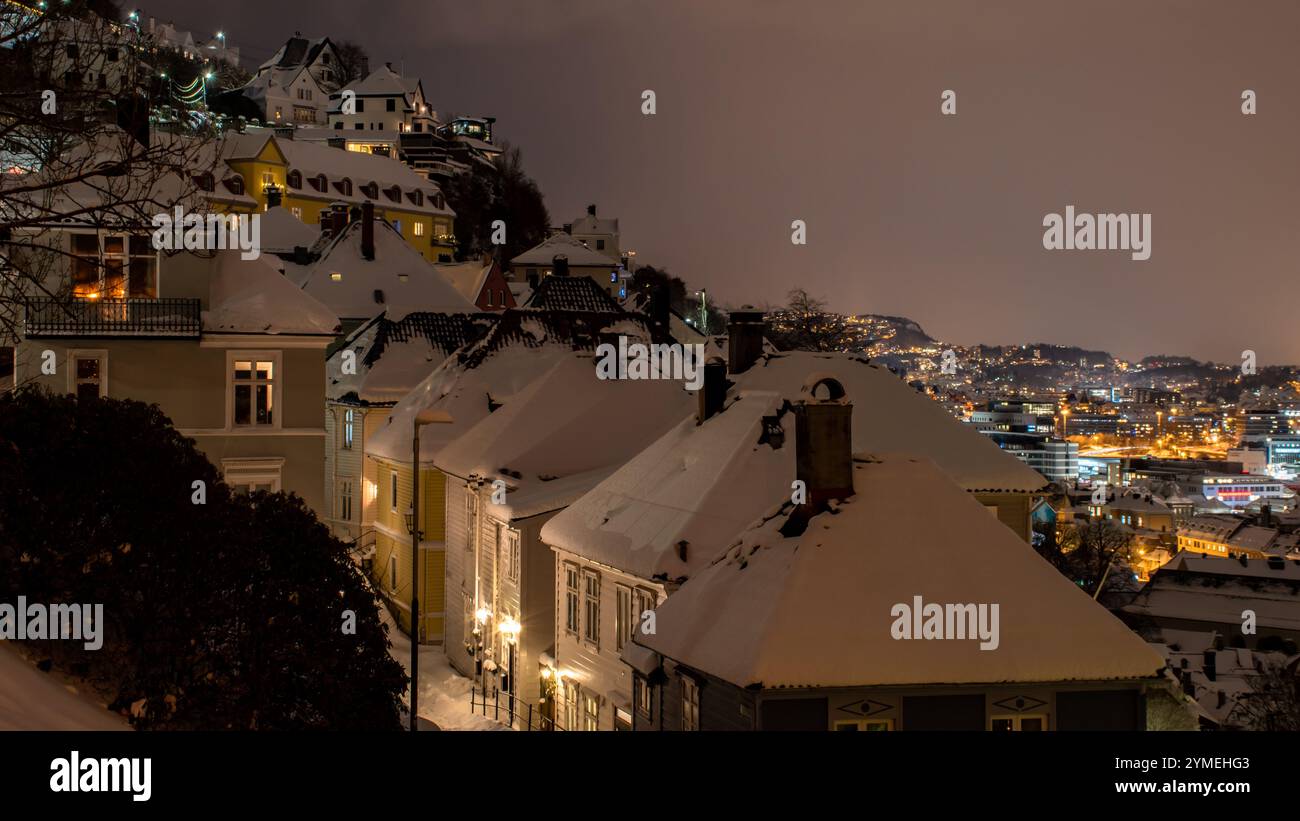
(591, 607)
(276, 358)
(349, 427)
(690, 706)
(572, 599)
(1016, 720)
(74, 354)
(243, 472)
(513, 554)
(623, 621)
(392, 490)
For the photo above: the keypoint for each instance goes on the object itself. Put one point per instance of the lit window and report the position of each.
(418, 227)
(345, 500)
(254, 392)
(570, 706)
(392, 571)
(512, 554)
(296, 211)
(348, 426)
(590, 713)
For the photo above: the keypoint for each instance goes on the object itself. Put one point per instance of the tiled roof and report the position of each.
(572, 293)
(583, 330)
(444, 332)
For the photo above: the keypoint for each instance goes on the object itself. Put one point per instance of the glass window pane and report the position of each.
(87, 390)
(263, 370)
(263, 405)
(88, 369)
(243, 404)
(144, 277)
(243, 370)
(1002, 724)
(1031, 724)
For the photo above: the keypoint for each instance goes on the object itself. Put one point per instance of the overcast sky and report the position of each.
(829, 112)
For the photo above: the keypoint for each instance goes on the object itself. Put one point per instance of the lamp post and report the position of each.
(424, 417)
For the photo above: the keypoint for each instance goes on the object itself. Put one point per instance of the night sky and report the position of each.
(828, 112)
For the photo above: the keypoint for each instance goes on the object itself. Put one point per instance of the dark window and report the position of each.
(110, 55)
(235, 184)
(361, 105)
(392, 104)
(600, 245)
(294, 179)
(74, 51)
(361, 126)
(7, 379)
(793, 714)
(1099, 710)
(943, 712)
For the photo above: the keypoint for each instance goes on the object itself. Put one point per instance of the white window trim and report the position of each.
(277, 388)
(83, 353)
(253, 470)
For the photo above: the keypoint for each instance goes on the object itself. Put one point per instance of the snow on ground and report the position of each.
(444, 693)
(32, 700)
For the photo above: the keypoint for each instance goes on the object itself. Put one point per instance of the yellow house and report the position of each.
(307, 177)
(391, 568)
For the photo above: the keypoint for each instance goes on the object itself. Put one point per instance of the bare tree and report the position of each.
(1091, 554)
(1273, 699)
(77, 151)
(805, 324)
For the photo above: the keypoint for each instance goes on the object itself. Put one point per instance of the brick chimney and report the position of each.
(824, 441)
(560, 265)
(713, 393)
(745, 329)
(368, 230)
(339, 216)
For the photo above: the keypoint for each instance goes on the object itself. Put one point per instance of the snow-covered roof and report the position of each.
(382, 82)
(33, 700)
(572, 293)
(466, 277)
(1217, 590)
(282, 232)
(566, 424)
(252, 296)
(392, 357)
(816, 610)
(702, 484)
(563, 245)
(405, 281)
(493, 372)
(890, 416)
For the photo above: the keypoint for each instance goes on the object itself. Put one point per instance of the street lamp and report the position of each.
(426, 416)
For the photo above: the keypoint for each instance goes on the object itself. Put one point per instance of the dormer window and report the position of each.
(417, 197)
(205, 181)
(294, 179)
(344, 186)
(318, 182)
(371, 190)
(235, 185)
(394, 193)
(438, 201)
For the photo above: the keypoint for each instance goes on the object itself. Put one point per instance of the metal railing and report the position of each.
(176, 317)
(507, 708)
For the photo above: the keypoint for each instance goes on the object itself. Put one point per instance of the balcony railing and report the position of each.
(114, 317)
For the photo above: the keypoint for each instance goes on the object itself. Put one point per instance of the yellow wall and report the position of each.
(391, 541)
(271, 161)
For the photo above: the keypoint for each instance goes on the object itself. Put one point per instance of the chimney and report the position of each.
(560, 265)
(713, 393)
(365, 66)
(1266, 516)
(591, 210)
(532, 280)
(824, 442)
(273, 198)
(568, 228)
(1210, 664)
(744, 338)
(326, 222)
(368, 230)
(339, 214)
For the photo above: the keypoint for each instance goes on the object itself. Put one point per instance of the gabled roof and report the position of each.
(563, 245)
(817, 610)
(397, 282)
(466, 277)
(702, 484)
(563, 433)
(394, 356)
(297, 51)
(282, 232)
(890, 416)
(252, 296)
(382, 82)
(572, 293)
(488, 374)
